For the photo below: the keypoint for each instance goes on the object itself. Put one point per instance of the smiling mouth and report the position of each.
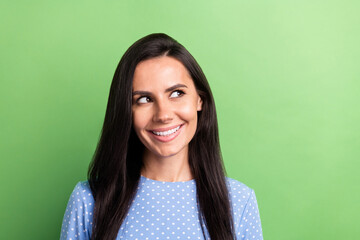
(168, 132)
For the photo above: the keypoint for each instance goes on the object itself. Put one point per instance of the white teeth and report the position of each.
(166, 133)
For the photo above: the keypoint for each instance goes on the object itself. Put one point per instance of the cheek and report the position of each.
(188, 112)
(139, 120)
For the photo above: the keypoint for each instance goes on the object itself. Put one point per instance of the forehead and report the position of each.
(160, 72)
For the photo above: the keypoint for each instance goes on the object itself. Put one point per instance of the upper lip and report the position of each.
(165, 129)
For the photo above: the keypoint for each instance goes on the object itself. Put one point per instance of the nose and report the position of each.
(162, 112)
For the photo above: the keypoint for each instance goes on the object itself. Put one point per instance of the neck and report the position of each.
(168, 169)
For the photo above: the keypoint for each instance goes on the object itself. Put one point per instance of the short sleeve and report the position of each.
(77, 221)
(250, 224)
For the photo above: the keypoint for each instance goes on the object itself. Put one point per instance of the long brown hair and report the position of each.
(114, 172)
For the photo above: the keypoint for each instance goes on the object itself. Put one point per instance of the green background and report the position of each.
(285, 77)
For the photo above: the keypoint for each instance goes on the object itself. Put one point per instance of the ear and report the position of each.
(199, 104)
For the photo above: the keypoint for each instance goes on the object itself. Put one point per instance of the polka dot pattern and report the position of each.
(162, 210)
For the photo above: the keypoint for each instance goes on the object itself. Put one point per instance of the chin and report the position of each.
(169, 151)
(166, 153)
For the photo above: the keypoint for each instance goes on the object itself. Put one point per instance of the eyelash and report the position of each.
(181, 93)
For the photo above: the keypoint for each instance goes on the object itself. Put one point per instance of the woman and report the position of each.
(157, 172)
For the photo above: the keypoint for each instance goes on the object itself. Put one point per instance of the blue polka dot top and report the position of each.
(162, 210)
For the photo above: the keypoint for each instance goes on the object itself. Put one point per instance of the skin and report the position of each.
(164, 95)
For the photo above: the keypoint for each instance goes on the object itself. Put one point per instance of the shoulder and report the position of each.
(245, 210)
(238, 189)
(240, 196)
(82, 186)
(82, 193)
(77, 219)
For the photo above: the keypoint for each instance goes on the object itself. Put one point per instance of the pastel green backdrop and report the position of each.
(285, 77)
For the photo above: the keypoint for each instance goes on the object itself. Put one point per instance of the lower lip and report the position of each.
(167, 138)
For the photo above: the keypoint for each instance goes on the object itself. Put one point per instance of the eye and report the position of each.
(177, 93)
(144, 99)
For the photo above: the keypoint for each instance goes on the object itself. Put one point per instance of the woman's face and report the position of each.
(165, 105)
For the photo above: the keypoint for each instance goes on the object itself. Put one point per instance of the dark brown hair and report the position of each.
(114, 172)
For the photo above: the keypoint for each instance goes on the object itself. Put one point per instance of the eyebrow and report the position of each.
(166, 90)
